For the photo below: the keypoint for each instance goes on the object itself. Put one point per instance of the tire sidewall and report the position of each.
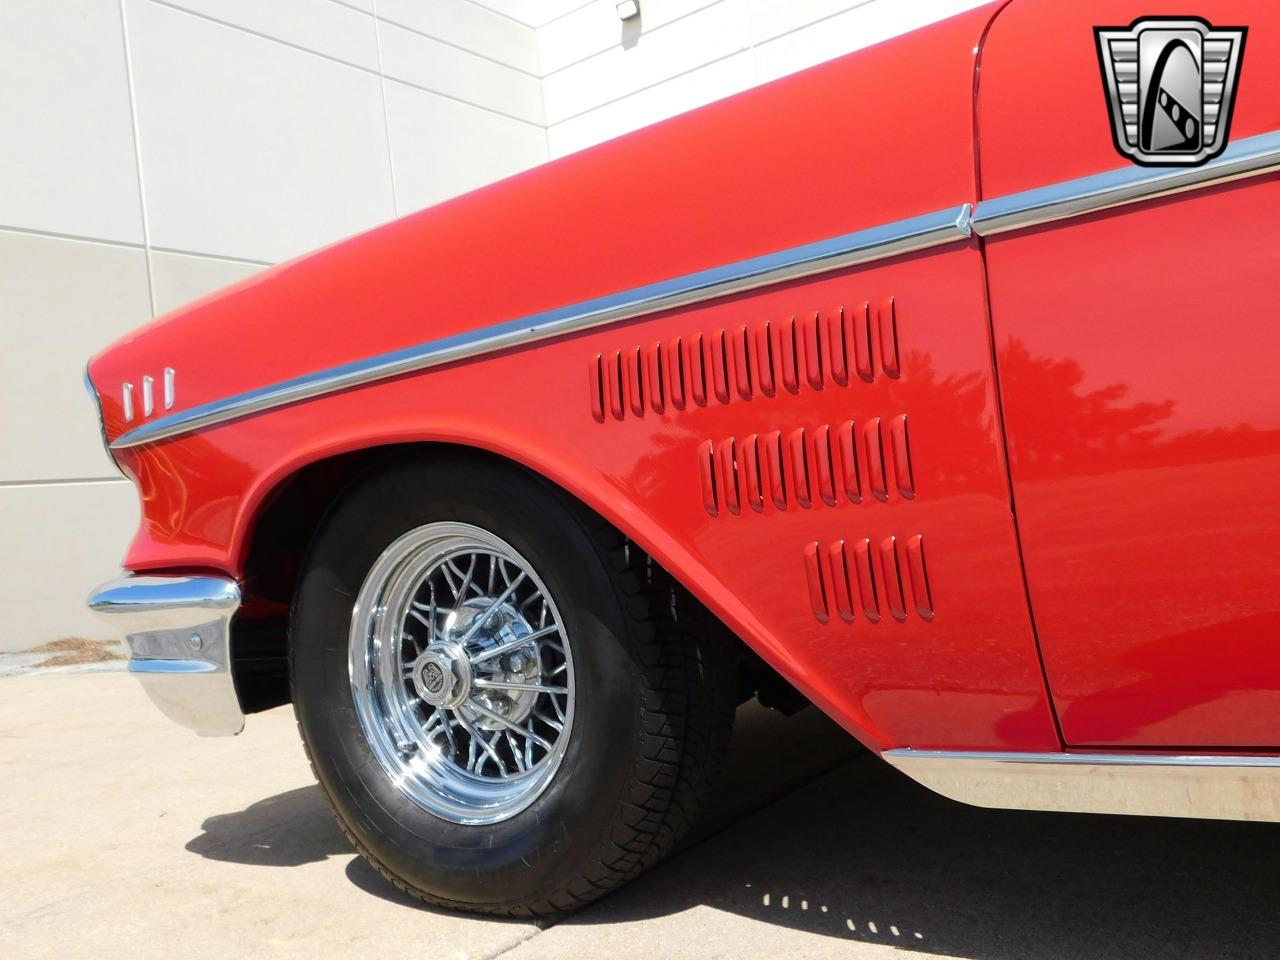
(539, 848)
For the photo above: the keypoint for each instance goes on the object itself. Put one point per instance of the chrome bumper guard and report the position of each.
(178, 630)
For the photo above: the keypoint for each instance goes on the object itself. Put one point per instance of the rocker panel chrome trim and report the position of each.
(1250, 157)
(1217, 787)
(863, 246)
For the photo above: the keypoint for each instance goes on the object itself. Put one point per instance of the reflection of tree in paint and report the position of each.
(1071, 425)
(962, 451)
(1058, 429)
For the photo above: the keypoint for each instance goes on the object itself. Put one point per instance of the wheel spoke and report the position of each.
(549, 722)
(466, 578)
(448, 579)
(477, 740)
(448, 731)
(521, 763)
(480, 621)
(474, 608)
(490, 749)
(510, 645)
(515, 685)
(511, 724)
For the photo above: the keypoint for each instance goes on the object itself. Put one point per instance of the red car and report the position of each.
(936, 384)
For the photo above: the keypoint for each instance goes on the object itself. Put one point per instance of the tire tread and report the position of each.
(687, 663)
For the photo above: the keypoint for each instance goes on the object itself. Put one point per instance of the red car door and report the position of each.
(1137, 352)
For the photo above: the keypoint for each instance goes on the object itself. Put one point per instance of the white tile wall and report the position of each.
(66, 137)
(61, 299)
(865, 24)
(60, 541)
(534, 13)
(251, 148)
(604, 77)
(179, 278)
(772, 18)
(330, 29)
(715, 81)
(469, 26)
(196, 141)
(441, 147)
(432, 65)
(656, 55)
(594, 28)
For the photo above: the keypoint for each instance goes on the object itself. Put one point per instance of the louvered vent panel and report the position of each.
(707, 478)
(729, 476)
(856, 579)
(806, 351)
(828, 465)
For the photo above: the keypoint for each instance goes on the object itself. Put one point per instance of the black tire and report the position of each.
(656, 692)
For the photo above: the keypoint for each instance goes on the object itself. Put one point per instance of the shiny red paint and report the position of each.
(1136, 351)
(823, 462)
(818, 154)
(1042, 109)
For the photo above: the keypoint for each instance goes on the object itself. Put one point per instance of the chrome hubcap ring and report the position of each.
(461, 673)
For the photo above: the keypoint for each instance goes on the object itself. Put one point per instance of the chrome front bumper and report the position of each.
(178, 630)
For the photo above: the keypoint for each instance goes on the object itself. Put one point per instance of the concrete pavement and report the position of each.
(123, 836)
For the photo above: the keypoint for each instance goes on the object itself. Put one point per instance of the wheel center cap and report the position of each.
(442, 675)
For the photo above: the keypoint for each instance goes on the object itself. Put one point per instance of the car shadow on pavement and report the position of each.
(808, 832)
(865, 854)
(286, 830)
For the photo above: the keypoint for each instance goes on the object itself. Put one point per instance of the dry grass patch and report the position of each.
(72, 651)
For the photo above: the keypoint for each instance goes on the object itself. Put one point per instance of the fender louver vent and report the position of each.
(849, 462)
(849, 579)
(753, 360)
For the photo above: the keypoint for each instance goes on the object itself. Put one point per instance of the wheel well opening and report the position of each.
(291, 516)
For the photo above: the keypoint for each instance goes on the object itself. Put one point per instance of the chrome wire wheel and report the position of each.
(461, 673)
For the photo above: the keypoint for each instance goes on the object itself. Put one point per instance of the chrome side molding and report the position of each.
(1217, 787)
(178, 630)
(1250, 157)
(850, 249)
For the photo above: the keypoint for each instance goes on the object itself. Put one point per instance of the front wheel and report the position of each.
(504, 706)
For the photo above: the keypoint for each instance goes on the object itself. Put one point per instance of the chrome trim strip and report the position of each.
(102, 426)
(863, 246)
(1250, 157)
(178, 630)
(1244, 158)
(1212, 786)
